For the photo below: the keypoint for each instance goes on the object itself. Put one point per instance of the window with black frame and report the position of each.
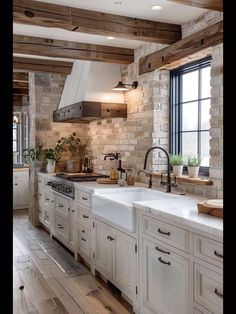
(190, 92)
(20, 135)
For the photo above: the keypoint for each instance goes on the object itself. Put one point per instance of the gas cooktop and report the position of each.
(81, 177)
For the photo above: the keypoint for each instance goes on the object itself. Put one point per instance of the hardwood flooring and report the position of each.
(47, 279)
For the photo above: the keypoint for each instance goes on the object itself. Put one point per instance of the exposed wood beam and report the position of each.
(20, 77)
(72, 50)
(216, 5)
(205, 38)
(23, 85)
(39, 65)
(92, 22)
(19, 100)
(21, 91)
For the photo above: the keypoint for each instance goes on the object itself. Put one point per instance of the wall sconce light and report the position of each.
(122, 86)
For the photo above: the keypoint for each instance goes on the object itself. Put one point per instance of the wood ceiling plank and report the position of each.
(92, 22)
(20, 100)
(39, 65)
(205, 38)
(215, 5)
(72, 50)
(20, 77)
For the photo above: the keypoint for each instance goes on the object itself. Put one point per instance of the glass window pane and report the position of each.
(14, 134)
(14, 146)
(205, 148)
(206, 86)
(189, 143)
(205, 114)
(190, 116)
(190, 86)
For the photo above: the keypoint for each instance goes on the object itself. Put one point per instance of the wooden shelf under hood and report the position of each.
(87, 111)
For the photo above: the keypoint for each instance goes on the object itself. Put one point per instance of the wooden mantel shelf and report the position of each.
(184, 179)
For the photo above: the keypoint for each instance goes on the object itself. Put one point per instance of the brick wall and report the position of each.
(45, 93)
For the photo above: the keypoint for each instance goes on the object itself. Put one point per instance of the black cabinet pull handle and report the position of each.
(218, 254)
(84, 216)
(47, 199)
(162, 232)
(163, 262)
(83, 239)
(162, 251)
(83, 231)
(84, 198)
(218, 294)
(73, 210)
(59, 205)
(109, 238)
(68, 209)
(16, 184)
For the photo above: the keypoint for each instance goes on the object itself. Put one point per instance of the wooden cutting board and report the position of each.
(107, 181)
(211, 207)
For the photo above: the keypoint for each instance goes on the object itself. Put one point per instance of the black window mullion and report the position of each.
(199, 113)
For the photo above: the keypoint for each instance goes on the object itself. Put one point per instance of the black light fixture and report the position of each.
(122, 86)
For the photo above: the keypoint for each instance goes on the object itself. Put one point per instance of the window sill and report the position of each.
(184, 179)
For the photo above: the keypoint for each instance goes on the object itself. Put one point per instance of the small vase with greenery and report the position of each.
(177, 162)
(193, 166)
(51, 156)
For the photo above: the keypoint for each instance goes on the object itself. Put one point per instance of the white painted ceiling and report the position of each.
(171, 13)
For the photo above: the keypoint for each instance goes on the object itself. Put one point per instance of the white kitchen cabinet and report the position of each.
(125, 263)
(115, 257)
(103, 248)
(165, 280)
(20, 188)
(63, 227)
(82, 225)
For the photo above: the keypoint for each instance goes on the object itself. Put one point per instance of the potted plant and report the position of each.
(35, 156)
(193, 166)
(51, 156)
(177, 163)
(72, 151)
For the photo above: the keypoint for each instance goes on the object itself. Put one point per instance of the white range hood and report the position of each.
(92, 81)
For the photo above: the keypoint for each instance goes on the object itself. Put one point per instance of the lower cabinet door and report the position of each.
(165, 280)
(208, 288)
(103, 247)
(125, 263)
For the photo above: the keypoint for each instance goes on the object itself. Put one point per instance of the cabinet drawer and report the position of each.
(170, 234)
(208, 288)
(84, 217)
(84, 198)
(83, 243)
(84, 231)
(61, 206)
(62, 227)
(208, 250)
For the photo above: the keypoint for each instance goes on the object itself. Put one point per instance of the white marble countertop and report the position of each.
(183, 210)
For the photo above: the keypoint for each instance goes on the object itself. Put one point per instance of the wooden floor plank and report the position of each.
(99, 296)
(54, 282)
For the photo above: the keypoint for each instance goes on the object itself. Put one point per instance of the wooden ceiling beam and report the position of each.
(92, 22)
(39, 65)
(215, 5)
(72, 50)
(23, 85)
(21, 91)
(20, 77)
(201, 40)
(19, 100)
